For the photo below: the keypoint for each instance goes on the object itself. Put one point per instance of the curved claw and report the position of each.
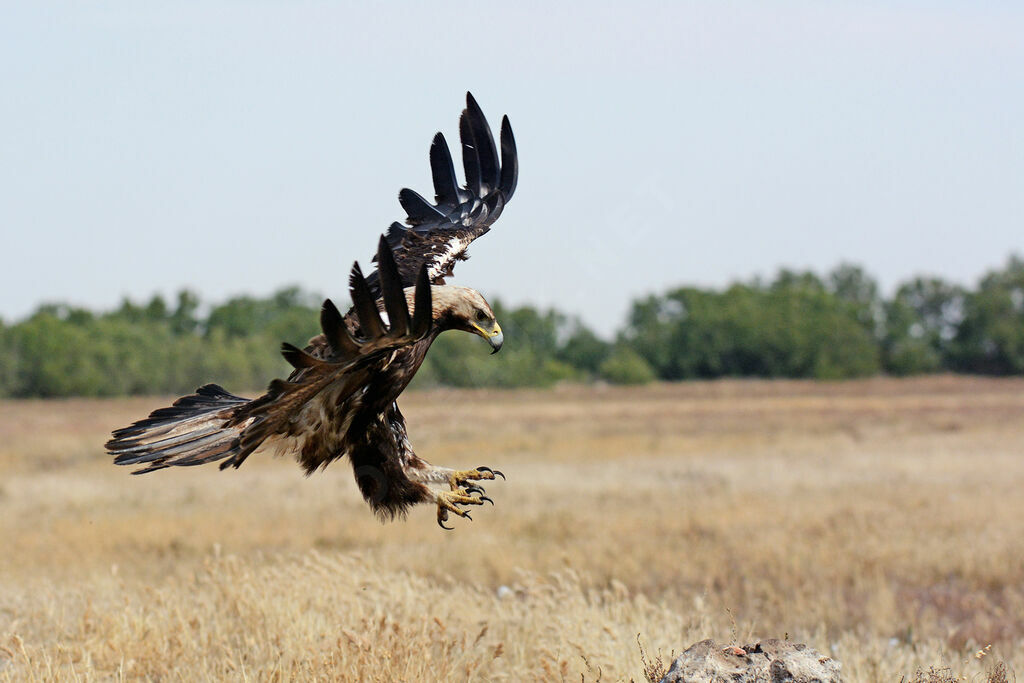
(466, 515)
(473, 488)
(496, 473)
(440, 523)
(487, 499)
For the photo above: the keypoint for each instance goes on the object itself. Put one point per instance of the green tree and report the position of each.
(583, 349)
(184, 319)
(625, 366)
(649, 330)
(8, 362)
(853, 286)
(55, 358)
(921, 320)
(288, 315)
(990, 338)
(792, 327)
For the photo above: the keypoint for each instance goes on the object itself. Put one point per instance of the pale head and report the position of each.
(462, 308)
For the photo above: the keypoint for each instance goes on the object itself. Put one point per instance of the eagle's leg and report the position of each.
(422, 471)
(459, 481)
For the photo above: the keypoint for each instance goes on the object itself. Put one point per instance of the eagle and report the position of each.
(340, 398)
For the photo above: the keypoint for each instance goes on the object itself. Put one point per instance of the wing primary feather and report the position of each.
(365, 304)
(446, 184)
(418, 209)
(483, 141)
(337, 335)
(470, 157)
(495, 204)
(509, 160)
(298, 358)
(391, 287)
(423, 316)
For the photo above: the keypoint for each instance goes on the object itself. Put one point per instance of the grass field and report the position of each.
(880, 521)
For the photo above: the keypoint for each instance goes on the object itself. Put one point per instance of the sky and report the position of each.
(237, 147)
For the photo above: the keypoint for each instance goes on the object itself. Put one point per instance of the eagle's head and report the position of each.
(462, 308)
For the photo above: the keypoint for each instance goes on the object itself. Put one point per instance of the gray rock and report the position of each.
(768, 661)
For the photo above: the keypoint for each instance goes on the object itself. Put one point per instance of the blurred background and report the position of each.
(182, 185)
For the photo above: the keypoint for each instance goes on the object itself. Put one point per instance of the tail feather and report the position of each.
(192, 431)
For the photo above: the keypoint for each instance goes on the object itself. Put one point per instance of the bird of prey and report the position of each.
(340, 399)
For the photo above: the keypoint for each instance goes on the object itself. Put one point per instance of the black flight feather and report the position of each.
(298, 358)
(365, 304)
(470, 157)
(446, 185)
(423, 316)
(483, 142)
(391, 286)
(337, 335)
(509, 160)
(418, 209)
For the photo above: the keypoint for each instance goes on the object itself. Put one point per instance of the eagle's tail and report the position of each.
(193, 431)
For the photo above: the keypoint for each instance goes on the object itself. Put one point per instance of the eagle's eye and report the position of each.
(481, 315)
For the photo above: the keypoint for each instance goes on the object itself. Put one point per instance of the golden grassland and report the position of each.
(880, 521)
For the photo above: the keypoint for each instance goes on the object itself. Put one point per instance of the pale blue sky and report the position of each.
(234, 147)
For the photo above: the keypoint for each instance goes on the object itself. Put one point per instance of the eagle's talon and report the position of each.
(449, 502)
(442, 517)
(488, 470)
(495, 473)
(462, 478)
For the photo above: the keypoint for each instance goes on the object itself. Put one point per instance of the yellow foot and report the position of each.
(462, 478)
(449, 501)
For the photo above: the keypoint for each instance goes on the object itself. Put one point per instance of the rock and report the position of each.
(768, 661)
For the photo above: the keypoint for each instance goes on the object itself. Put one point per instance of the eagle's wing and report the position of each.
(295, 408)
(311, 411)
(438, 234)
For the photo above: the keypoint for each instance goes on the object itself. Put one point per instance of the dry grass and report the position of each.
(879, 521)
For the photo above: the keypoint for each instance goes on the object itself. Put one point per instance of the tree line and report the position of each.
(798, 324)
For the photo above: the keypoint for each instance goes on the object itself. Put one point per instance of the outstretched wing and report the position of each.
(310, 412)
(316, 403)
(437, 235)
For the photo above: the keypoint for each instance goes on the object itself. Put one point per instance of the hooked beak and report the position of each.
(494, 337)
(496, 341)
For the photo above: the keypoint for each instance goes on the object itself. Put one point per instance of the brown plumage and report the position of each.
(340, 398)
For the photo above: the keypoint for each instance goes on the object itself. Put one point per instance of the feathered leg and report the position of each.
(462, 489)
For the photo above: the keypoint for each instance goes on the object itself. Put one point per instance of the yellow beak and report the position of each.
(494, 337)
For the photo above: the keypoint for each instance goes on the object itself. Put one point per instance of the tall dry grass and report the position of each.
(879, 521)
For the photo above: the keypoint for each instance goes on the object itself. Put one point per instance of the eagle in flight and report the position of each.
(340, 398)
